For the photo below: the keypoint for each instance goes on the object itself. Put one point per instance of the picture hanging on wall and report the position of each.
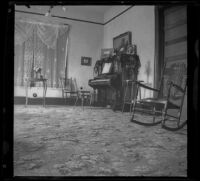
(122, 40)
(86, 61)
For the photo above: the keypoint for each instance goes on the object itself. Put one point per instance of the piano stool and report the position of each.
(131, 100)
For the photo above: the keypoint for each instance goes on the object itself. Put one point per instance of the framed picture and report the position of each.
(106, 52)
(86, 61)
(122, 39)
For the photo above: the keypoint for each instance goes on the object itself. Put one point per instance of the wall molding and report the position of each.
(61, 17)
(75, 19)
(118, 15)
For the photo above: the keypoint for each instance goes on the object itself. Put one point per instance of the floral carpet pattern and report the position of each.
(70, 141)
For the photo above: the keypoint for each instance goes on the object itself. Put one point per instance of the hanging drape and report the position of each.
(40, 45)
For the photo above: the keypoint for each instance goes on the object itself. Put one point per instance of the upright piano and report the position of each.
(109, 82)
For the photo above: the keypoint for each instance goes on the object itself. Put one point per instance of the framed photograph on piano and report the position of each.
(121, 40)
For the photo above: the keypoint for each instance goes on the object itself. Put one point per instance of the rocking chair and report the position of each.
(170, 96)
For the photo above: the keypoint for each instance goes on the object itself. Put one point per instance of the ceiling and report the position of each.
(81, 8)
(95, 9)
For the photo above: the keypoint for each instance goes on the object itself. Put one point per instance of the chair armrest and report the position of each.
(177, 87)
(137, 81)
(147, 87)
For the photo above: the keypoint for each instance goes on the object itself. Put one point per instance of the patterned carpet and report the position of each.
(69, 141)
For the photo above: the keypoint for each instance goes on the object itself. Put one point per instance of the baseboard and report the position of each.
(20, 91)
(20, 100)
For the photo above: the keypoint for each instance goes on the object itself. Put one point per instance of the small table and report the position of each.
(44, 81)
(82, 95)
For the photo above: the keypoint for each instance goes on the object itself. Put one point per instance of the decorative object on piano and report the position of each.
(97, 68)
(131, 64)
(131, 49)
(121, 42)
(117, 65)
(135, 65)
(86, 61)
(106, 52)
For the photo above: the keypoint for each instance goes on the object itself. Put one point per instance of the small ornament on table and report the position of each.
(37, 72)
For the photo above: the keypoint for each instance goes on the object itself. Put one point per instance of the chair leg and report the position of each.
(65, 97)
(154, 116)
(133, 113)
(178, 120)
(76, 100)
(90, 99)
(140, 92)
(124, 98)
(82, 102)
(131, 96)
(164, 112)
(131, 107)
(62, 94)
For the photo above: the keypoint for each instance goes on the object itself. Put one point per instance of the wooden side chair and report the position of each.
(67, 88)
(170, 96)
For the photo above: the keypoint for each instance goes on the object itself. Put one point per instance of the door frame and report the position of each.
(159, 45)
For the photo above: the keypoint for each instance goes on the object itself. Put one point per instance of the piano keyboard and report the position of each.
(100, 80)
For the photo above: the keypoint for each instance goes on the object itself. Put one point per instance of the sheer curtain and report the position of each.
(40, 45)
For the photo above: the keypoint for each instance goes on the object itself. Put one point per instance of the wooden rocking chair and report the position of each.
(170, 96)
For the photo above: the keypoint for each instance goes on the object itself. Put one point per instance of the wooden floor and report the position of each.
(70, 141)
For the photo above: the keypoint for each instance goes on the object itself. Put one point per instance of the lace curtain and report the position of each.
(40, 45)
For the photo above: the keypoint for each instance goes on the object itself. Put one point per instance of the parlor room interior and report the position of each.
(100, 90)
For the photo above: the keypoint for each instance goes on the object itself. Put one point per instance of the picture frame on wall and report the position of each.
(124, 38)
(86, 61)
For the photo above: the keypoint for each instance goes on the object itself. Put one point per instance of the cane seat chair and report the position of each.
(170, 96)
(67, 88)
